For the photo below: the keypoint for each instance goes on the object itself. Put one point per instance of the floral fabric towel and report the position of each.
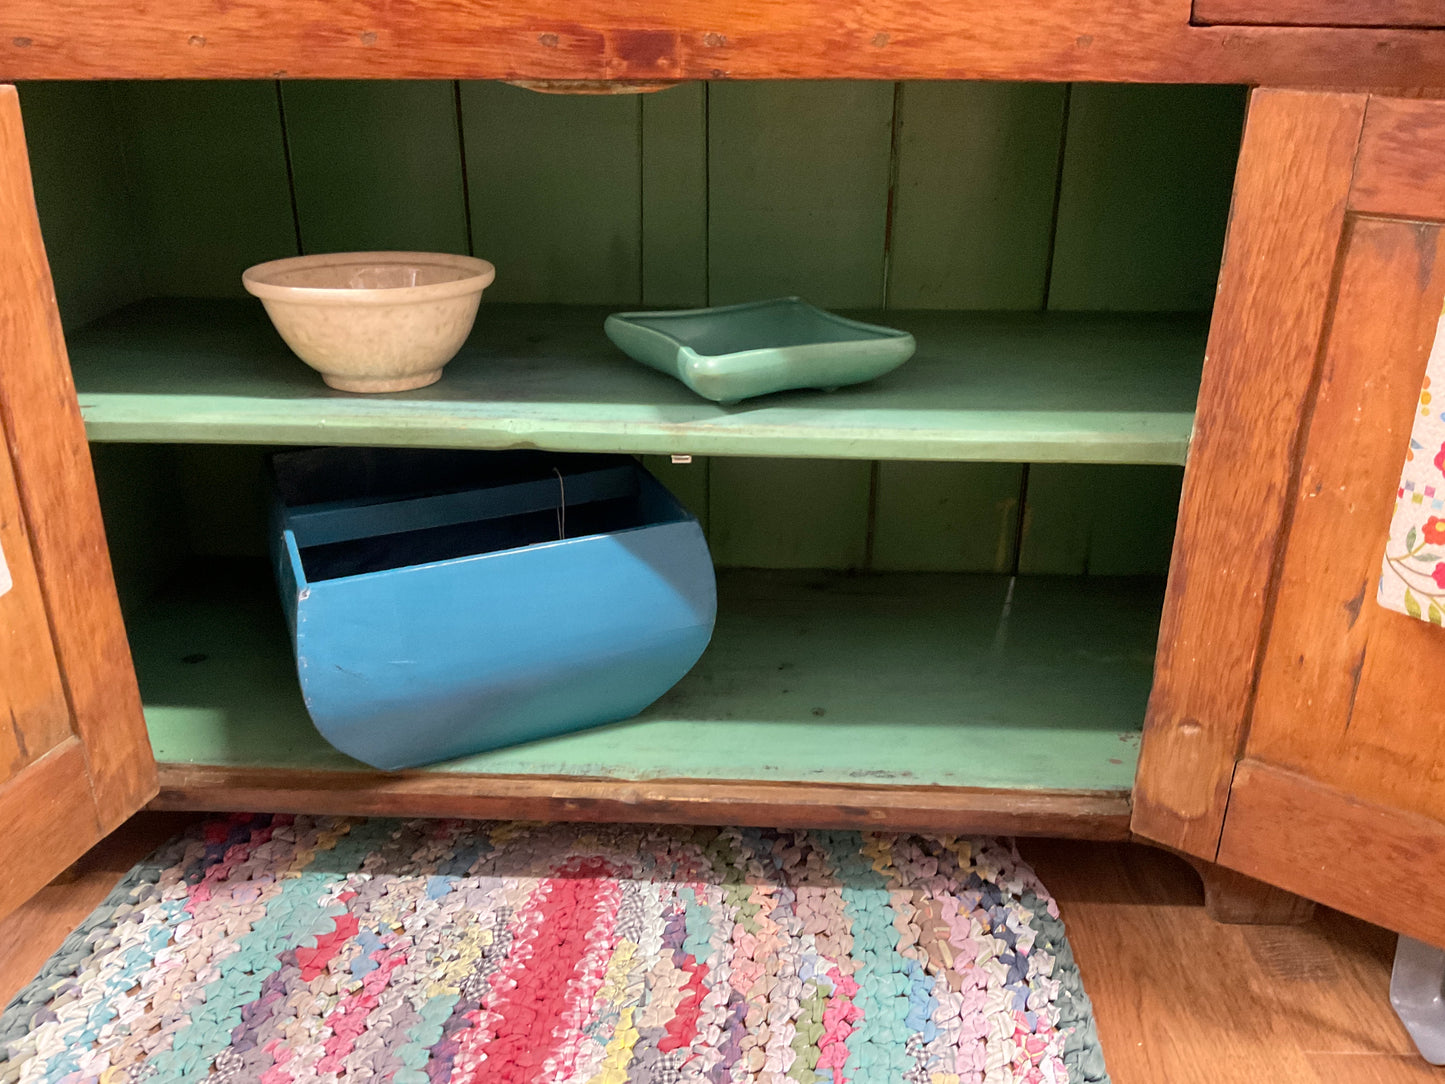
(1412, 579)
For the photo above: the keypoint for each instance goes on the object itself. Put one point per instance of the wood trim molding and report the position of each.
(57, 492)
(1260, 370)
(1076, 814)
(537, 40)
(50, 821)
(1371, 861)
(1381, 13)
(1398, 136)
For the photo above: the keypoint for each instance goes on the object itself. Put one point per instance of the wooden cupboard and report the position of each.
(940, 594)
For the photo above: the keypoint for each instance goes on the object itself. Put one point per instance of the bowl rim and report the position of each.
(254, 279)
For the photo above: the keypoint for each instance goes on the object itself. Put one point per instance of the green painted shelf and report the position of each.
(1012, 387)
(903, 679)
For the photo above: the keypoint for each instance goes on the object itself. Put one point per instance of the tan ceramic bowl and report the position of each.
(373, 321)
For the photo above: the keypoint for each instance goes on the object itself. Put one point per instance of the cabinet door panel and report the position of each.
(1326, 778)
(74, 757)
(1347, 693)
(36, 716)
(1411, 13)
(1269, 316)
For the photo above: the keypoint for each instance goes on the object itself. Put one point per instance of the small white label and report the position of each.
(682, 459)
(5, 581)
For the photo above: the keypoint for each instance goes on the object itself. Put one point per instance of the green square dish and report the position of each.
(737, 351)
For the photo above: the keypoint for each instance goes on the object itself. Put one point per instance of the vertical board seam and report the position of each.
(895, 128)
(462, 154)
(1058, 195)
(875, 469)
(140, 249)
(1021, 511)
(707, 203)
(641, 203)
(290, 172)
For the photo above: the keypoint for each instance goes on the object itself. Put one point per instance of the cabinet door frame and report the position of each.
(63, 802)
(1317, 170)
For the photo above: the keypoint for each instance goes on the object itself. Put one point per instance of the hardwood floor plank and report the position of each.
(1180, 998)
(1372, 1069)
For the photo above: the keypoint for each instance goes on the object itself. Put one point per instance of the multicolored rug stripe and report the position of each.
(286, 949)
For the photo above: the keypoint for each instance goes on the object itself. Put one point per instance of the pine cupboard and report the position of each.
(948, 601)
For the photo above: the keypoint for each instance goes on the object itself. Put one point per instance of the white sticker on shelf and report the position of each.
(5, 581)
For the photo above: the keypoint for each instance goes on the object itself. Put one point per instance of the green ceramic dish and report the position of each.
(738, 351)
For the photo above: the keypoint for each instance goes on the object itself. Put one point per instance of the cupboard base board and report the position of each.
(1100, 815)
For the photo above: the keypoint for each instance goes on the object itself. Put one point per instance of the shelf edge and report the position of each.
(1100, 815)
(1149, 450)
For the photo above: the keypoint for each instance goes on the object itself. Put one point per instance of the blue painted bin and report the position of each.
(444, 603)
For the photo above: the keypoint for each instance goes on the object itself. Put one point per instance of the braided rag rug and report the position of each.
(276, 949)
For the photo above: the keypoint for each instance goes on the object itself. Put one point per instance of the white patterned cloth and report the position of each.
(1412, 576)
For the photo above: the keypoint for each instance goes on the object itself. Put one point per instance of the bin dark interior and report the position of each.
(361, 555)
(540, 498)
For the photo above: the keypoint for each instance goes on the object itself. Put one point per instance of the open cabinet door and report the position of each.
(1297, 729)
(74, 757)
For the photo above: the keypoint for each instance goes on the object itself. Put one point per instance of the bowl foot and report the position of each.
(377, 384)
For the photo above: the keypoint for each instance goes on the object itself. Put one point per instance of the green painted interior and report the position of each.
(82, 194)
(920, 195)
(376, 166)
(1055, 387)
(916, 679)
(674, 192)
(1144, 196)
(976, 177)
(1034, 433)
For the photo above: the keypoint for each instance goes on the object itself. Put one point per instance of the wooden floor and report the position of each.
(1179, 999)
(1182, 1000)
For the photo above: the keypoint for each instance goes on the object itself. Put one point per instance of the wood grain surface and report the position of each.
(1259, 377)
(1419, 13)
(47, 448)
(534, 40)
(1398, 171)
(1083, 815)
(32, 696)
(1349, 692)
(1373, 861)
(1181, 999)
(37, 927)
(50, 820)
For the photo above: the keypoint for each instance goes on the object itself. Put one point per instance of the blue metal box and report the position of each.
(443, 603)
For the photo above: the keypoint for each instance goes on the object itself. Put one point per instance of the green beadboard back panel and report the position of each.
(789, 513)
(81, 196)
(700, 194)
(674, 197)
(975, 174)
(1144, 200)
(555, 185)
(376, 165)
(798, 177)
(945, 517)
(237, 526)
(144, 517)
(207, 167)
(973, 205)
(1106, 521)
(689, 482)
(1148, 173)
